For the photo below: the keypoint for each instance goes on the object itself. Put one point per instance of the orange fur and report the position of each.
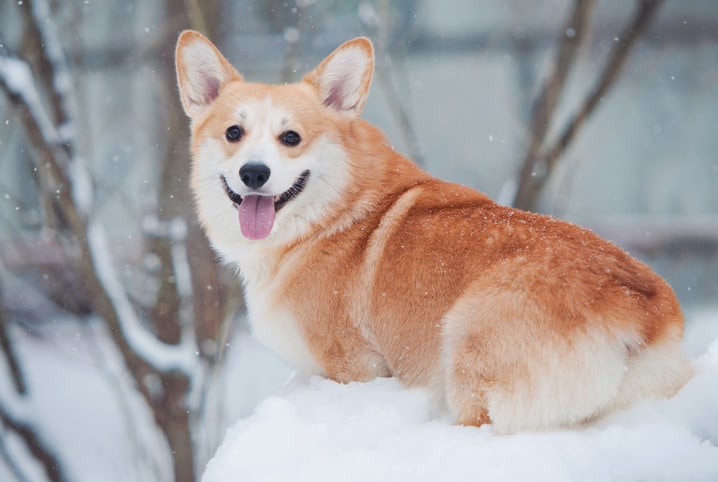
(505, 316)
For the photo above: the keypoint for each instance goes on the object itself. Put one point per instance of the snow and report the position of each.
(52, 48)
(322, 431)
(85, 406)
(16, 74)
(160, 355)
(183, 273)
(81, 186)
(319, 430)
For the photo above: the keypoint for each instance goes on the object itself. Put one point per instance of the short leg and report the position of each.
(466, 386)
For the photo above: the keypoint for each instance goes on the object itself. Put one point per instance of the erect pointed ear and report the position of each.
(344, 77)
(202, 71)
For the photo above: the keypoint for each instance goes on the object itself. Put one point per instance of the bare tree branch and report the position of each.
(143, 354)
(378, 24)
(626, 41)
(571, 36)
(8, 351)
(34, 443)
(196, 16)
(165, 354)
(52, 59)
(537, 167)
(180, 312)
(53, 162)
(11, 463)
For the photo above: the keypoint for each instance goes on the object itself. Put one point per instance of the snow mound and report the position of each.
(378, 431)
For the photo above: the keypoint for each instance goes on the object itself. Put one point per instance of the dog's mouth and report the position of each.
(256, 212)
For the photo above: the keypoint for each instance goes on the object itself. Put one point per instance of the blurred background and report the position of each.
(123, 350)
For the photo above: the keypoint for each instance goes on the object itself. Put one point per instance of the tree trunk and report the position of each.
(174, 420)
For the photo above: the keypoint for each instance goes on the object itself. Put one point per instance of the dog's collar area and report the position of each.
(280, 200)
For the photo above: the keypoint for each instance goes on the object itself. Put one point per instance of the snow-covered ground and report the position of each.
(83, 406)
(318, 430)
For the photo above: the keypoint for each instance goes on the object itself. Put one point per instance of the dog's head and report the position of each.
(268, 161)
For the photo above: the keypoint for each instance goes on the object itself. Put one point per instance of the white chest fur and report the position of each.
(274, 325)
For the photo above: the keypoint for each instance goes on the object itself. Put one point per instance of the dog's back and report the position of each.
(514, 318)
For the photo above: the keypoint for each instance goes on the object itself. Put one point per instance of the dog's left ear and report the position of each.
(343, 78)
(202, 71)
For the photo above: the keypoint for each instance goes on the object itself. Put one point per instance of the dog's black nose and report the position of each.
(254, 175)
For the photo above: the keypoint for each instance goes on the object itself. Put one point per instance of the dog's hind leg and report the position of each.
(506, 363)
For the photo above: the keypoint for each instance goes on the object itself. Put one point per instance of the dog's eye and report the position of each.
(234, 133)
(290, 138)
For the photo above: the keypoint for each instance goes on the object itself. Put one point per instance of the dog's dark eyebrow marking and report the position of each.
(284, 121)
(243, 115)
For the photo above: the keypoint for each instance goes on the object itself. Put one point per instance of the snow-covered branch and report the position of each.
(166, 349)
(64, 172)
(34, 443)
(16, 77)
(161, 356)
(7, 350)
(55, 63)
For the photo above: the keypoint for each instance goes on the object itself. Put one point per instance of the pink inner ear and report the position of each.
(334, 99)
(211, 89)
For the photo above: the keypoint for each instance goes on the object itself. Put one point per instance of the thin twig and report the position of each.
(54, 64)
(392, 96)
(196, 16)
(37, 447)
(378, 24)
(8, 350)
(11, 463)
(52, 160)
(532, 183)
(641, 19)
(570, 39)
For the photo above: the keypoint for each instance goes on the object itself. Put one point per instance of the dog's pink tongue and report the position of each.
(256, 216)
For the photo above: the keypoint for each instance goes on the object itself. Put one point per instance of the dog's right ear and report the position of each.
(342, 80)
(202, 71)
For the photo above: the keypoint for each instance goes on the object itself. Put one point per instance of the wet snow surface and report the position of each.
(323, 431)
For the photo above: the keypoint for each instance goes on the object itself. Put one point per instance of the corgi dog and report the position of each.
(357, 264)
